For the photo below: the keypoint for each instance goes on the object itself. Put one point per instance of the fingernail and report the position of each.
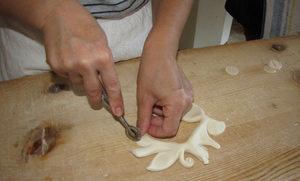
(119, 111)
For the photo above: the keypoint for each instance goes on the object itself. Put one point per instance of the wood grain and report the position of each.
(261, 111)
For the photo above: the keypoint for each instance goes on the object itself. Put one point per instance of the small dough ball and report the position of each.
(269, 70)
(231, 70)
(274, 64)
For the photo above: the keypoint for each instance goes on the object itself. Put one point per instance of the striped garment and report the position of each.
(111, 9)
(266, 18)
(282, 18)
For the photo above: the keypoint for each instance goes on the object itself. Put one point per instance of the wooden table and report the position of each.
(261, 111)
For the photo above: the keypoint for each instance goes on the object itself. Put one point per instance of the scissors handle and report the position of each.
(131, 132)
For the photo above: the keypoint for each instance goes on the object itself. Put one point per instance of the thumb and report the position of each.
(144, 117)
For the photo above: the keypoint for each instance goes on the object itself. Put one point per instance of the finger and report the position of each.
(157, 121)
(163, 127)
(144, 116)
(157, 110)
(65, 75)
(113, 88)
(53, 57)
(56, 67)
(167, 126)
(186, 83)
(75, 78)
(92, 86)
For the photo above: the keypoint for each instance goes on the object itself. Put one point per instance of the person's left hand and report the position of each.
(163, 90)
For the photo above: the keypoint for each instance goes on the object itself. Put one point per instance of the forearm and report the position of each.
(37, 13)
(169, 17)
(162, 88)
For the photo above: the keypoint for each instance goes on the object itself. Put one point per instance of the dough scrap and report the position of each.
(169, 152)
(269, 69)
(231, 70)
(274, 64)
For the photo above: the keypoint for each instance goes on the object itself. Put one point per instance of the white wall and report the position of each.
(209, 24)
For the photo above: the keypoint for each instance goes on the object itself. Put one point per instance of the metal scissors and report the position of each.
(131, 132)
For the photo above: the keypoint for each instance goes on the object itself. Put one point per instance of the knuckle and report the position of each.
(184, 100)
(105, 55)
(170, 132)
(53, 64)
(95, 100)
(56, 67)
(93, 92)
(114, 86)
(84, 64)
(94, 96)
(104, 58)
(180, 102)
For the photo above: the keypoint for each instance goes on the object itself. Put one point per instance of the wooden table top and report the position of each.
(261, 112)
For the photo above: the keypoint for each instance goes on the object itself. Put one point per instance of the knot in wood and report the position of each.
(57, 88)
(278, 47)
(42, 141)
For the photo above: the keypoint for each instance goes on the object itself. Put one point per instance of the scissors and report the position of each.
(131, 132)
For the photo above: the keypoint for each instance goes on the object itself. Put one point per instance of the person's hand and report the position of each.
(164, 94)
(77, 48)
(163, 90)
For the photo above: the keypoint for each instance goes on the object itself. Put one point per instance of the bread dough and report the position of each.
(231, 70)
(169, 152)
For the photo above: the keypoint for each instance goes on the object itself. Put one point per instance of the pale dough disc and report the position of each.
(231, 70)
(274, 64)
(269, 70)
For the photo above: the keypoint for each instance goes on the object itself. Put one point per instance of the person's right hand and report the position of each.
(77, 48)
(164, 94)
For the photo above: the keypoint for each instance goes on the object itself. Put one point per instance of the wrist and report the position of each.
(161, 43)
(67, 11)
